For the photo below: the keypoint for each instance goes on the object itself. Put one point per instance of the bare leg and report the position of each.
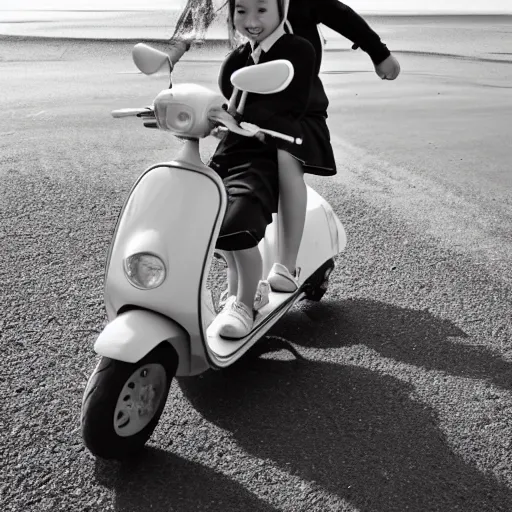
(292, 208)
(232, 272)
(250, 267)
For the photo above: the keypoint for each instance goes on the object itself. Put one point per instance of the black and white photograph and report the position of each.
(256, 255)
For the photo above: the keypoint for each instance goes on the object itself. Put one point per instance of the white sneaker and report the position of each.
(261, 297)
(281, 279)
(236, 320)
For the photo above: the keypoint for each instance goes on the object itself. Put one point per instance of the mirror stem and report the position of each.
(232, 101)
(170, 71)
(178, 48)
(241, 105)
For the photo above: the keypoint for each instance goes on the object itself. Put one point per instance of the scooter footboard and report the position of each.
(133, 334)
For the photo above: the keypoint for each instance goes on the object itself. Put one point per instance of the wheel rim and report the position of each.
(139, 399)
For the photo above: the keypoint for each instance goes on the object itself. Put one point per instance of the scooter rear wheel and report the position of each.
(123, 402)
(317, 284)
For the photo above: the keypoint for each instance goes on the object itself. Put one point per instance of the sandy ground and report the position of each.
(404, 400)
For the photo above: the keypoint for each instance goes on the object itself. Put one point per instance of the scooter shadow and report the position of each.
(163, 482)
(411, 336)
(354, 432)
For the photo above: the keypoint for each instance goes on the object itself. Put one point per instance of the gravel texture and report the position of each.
(401, 403)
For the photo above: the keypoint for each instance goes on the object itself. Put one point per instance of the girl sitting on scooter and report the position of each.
(248, 165)
(303, 19)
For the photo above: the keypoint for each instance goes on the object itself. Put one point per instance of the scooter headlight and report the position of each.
(144, 270)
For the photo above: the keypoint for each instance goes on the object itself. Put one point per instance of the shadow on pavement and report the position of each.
(354, 432)
(411, 336)
(160, 481)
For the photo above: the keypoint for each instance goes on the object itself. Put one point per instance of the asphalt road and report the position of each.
(403, 401)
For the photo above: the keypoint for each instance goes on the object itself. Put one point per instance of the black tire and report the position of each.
(316, 286)
(103, 394)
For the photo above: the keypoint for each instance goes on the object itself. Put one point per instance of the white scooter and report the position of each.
(163, 281)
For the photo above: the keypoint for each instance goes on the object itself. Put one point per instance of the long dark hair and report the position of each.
(197, 17)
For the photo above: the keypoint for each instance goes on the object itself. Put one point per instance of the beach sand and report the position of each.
(444, 124)
(479, 36)
(461, 62)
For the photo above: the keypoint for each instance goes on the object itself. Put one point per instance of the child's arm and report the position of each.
(344, 20)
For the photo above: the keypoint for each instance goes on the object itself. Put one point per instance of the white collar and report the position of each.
(271, 39)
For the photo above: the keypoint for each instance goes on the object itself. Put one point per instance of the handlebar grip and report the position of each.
(127, 112)
(255, 129)
(277, 135)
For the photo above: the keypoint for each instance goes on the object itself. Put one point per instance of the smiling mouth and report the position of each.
(254, 32)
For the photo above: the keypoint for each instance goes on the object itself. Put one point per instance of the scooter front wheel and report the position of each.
(123, 402)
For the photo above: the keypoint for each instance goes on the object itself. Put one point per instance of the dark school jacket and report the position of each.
(305, 16)
(247, 165)
(282, 110)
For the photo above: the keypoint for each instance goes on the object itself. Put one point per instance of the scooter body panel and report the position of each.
(133, 334)
(175, 213)
(323, 238)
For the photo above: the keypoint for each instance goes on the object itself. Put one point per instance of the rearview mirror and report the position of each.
(150, 60)
(267, 78)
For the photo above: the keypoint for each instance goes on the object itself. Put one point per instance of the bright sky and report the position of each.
(382, 6)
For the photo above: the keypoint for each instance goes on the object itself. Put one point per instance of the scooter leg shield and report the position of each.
(133, 334)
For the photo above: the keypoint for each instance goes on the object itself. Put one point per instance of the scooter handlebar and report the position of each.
(225, 119)
(133, 112)
(272, 133)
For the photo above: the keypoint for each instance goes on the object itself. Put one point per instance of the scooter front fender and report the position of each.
(133, 334)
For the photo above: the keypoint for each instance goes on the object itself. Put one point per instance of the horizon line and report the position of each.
(362, 11)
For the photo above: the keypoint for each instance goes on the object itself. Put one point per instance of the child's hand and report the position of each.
(218, 132)
(260, 136)
(388, 69)
(220, 115)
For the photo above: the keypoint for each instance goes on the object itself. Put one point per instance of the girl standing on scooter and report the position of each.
(248, 165)
(303, 19)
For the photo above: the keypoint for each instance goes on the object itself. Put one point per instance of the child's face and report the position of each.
(256, 19)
